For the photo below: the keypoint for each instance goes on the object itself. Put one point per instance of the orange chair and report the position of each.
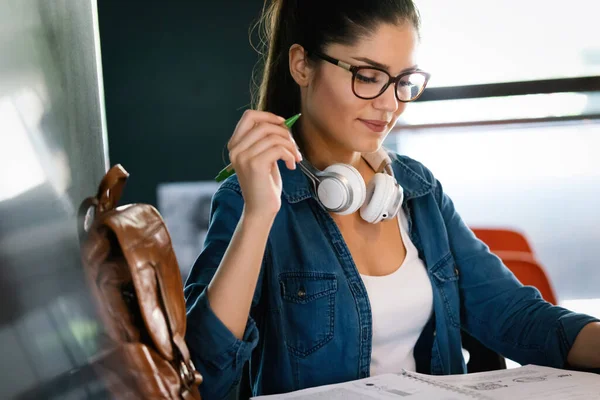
(516, 253)
(503, 239)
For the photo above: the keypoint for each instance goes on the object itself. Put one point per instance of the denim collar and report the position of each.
(298, 187)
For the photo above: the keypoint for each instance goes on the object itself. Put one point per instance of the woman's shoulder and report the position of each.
(228, 195)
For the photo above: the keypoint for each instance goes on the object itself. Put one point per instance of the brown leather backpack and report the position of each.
(135, 282)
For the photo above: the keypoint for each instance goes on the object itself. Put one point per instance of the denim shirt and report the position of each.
(310, 320)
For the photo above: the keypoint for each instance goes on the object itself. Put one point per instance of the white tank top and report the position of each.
(401, 304)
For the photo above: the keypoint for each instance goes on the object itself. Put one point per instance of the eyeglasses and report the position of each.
(370, 82)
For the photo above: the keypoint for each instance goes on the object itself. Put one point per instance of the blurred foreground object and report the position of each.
(134, 279)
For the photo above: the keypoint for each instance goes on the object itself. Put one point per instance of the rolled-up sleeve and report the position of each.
(217, 353)
(498, 310)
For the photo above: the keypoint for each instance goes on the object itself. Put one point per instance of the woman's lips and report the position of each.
(375, 125)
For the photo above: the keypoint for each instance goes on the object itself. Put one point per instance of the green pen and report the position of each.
(228, 170)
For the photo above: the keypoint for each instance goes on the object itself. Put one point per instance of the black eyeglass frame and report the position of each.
(354, 69)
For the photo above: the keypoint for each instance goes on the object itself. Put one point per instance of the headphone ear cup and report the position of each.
(381, 194)
(356, 187)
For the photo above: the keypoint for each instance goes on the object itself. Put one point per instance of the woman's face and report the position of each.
(344, 120)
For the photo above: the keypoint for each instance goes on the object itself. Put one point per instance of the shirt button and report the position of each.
(435, 333)
(456, 271)
(301, 293)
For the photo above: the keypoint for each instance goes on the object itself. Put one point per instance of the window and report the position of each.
(466, 42)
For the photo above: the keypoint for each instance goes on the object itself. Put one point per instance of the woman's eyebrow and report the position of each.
(371, 62)
(380, 65)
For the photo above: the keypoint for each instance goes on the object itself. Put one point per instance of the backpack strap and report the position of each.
(111, 188)
(109, 194)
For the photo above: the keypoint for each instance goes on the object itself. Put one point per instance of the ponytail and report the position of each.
(277, 92)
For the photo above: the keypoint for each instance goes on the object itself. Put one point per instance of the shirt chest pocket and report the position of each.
(307, 310)
(445, 275)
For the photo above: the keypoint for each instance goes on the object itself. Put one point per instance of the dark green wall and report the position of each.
(177, 78)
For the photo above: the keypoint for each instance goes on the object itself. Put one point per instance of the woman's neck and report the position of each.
(322, 153)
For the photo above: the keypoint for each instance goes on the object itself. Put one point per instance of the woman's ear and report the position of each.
(299, 66)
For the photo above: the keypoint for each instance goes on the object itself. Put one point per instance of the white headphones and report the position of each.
(341, 189)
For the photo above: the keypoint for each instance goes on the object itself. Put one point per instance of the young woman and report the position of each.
(319, 286)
